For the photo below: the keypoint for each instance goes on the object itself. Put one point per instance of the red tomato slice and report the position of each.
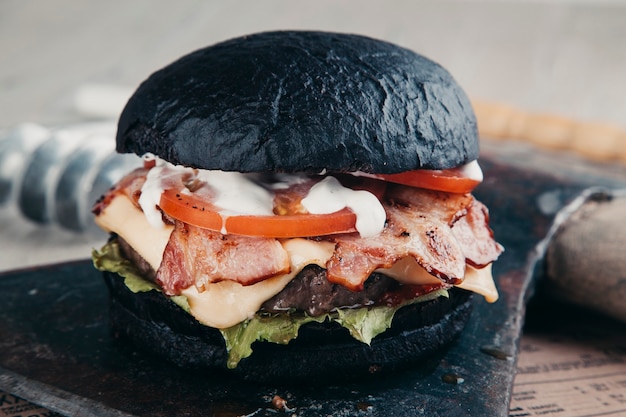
(290, 220)
(455, 180)
(192, 210)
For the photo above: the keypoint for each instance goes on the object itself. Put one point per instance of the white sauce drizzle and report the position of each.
(244, 194)
(154, 186)
(238, 194)
(472, 170)
(329, 196)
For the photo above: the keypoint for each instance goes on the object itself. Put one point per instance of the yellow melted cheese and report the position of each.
(480, 281)
(226, 303)
(122, 217)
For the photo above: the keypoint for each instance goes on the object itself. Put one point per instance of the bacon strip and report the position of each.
(195, 256)
(442, 231)
(475, 237)
(445, 207)
(129, 186)
(428, 239)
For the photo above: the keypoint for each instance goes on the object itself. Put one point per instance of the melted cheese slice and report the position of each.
(226, 303)
(480, 281)
(123, 218)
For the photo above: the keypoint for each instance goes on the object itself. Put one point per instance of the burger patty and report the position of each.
(308, 292)
(313, 294)
(145, 269)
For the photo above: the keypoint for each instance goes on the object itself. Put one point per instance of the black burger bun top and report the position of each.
(299, 101)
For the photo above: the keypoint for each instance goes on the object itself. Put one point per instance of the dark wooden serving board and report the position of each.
(56, 349)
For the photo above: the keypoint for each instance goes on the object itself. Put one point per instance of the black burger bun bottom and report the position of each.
(321, 352)
(302, 101)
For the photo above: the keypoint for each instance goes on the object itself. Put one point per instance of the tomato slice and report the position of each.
(456, 180)
(291, 219)
(192, 210)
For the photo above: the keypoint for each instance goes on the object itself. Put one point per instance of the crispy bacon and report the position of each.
(445, 207)
(130, 186)
(442, 231)
(195, 256)
(475, 237)
(418, 225)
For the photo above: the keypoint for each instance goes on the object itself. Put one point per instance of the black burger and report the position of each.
(304, 209)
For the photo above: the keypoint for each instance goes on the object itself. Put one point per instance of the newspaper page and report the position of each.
(570, 377)
(572, 363)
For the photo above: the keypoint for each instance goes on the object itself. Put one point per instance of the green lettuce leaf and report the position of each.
(279, 328)
(109, 258)
(363, 323)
